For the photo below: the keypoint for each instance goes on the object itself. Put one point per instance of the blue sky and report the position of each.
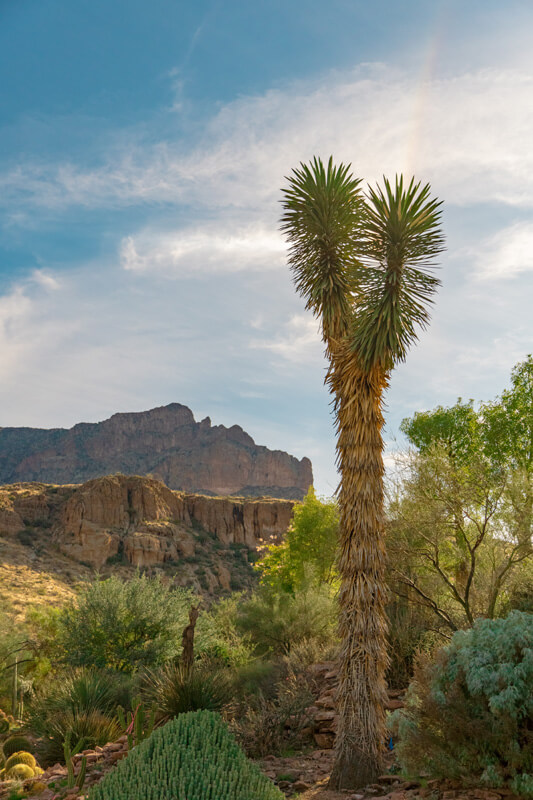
(142, 150)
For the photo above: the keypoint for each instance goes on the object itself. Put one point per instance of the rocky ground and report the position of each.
(303, 776)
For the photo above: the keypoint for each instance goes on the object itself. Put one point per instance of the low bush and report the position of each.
(124, 625)
(469, 715)
(217, 635)
(175, 690)
(277, 621)
(192, 757)
(91, 727)
(270, 726)
(81, 701)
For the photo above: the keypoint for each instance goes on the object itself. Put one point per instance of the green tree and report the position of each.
(461, 524)
(363, 266)
(309, 548)
(124, 625)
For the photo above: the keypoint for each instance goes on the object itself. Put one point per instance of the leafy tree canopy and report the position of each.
(309, 548)
(501, 430)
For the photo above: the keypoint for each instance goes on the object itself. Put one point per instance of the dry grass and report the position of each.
(30, 580)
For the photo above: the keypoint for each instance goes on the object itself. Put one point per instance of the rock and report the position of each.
(145, 522)
(301, 786)
(392, 705)
(324, 740)
(290, 775)
(324, 716)
(326, 701)
(224, 577)
(166, 442)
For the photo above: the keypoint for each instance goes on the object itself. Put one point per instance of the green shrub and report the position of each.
(86, 694)
(217, 635)
(192, 757)
(80, 690)
(470, 715)
(124, 625)
(93, 727)
(15, 744)
(174, 690)
(277, 621)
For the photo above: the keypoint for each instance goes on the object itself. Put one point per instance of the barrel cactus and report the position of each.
(14, 744)
(37, 788)
(4, 722)
(192, 757)
(20, 772)
(21, 757)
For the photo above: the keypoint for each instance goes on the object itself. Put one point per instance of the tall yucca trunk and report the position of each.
(363, 628)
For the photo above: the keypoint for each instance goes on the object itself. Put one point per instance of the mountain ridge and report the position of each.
(165, 442)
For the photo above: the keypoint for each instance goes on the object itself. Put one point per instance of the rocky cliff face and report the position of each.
(139, 521)
(165, 442)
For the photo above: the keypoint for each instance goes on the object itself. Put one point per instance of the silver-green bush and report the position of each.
(469, 715)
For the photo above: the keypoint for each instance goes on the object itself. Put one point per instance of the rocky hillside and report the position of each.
(52, 537)
(165, 442)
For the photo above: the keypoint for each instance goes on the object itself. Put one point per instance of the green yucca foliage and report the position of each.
(192, 757)
(469, 715)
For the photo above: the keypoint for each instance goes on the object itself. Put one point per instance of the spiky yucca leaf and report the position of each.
(323, 209)
(394, 286)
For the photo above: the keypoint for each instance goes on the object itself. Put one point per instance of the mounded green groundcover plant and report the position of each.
(469, 715)
(192, 757)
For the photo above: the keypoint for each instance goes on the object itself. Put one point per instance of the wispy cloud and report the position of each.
(208, 249)
(45, 279)
(298, 342)
(469, 135)
(506, 254)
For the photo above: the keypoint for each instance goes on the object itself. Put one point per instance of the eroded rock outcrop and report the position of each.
(139, 520)
(165, 442)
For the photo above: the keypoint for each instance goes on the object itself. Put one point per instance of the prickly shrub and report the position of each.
(22, 757)
(469, 715)
(15, 744)
(192, 757)
(93, 727)
(175, 690)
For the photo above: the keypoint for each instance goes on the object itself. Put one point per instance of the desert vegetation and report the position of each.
(108, 664)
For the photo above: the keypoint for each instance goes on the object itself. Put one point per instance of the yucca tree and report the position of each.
(363, 263)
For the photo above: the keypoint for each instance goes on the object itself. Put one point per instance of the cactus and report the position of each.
(137, 724)
(192, 757)
(4, 723)
(37, 788)
(80, 780)
(20, 772)
(21, 757)
(69, 755)
(14, 744)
